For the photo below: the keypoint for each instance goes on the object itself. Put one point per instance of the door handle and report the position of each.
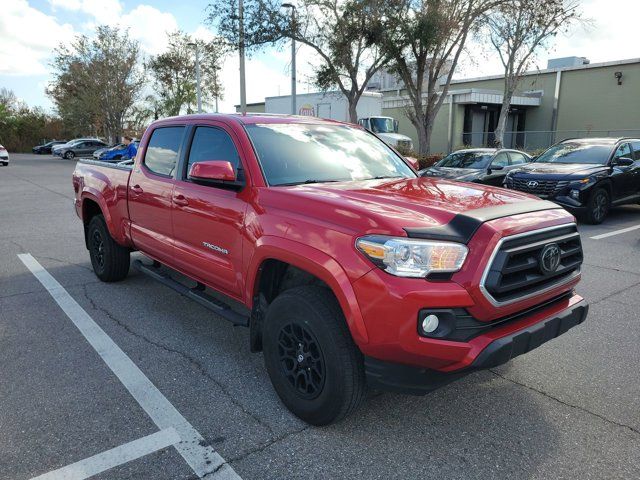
(137, 189)
(180, 200)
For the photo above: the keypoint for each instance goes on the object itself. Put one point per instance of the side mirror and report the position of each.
(212, 171)
(413, 162)
(496, 167)
(623, 162)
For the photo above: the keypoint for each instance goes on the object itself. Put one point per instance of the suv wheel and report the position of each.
(598, 206)
(314, 366)
(110, 261)
(69, 155)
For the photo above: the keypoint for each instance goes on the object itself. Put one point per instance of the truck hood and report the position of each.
(557, 171)
(386, 206)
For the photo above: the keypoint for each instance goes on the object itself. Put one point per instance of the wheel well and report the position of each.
(90, 209)
(274, 278)
(606, 185)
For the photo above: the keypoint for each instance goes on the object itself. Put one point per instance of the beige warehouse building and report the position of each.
(571, 98)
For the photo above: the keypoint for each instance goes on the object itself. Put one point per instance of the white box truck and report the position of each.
(334, 106)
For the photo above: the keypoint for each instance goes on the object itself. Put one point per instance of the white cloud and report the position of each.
(28, 38)
(105, 11)
(150, 26)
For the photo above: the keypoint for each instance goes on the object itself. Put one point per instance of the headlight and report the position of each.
(407, 257)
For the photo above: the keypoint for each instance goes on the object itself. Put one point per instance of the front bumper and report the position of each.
(401, 378)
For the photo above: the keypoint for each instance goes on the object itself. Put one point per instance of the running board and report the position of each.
(196, 294)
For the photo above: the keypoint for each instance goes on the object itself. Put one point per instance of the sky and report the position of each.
(31, 29)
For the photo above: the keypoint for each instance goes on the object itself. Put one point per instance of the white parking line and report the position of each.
(197, 453)
(615, 232)
(112, 458)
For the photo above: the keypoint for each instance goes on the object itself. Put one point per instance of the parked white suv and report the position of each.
(4, 156)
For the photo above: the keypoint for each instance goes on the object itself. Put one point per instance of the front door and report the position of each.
(623, 177)
(151, 193)
(208, 219)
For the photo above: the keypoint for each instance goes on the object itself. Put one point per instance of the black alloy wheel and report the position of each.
(301, 360)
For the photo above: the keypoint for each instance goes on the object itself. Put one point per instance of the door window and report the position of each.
(517, 158)
(162, 152)
(500, 159)
(623, 150)
(210, 143)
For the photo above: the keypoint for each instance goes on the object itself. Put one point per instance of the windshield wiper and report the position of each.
(306, 182)
(382, 177)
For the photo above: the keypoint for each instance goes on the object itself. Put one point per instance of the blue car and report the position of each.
(115, 153)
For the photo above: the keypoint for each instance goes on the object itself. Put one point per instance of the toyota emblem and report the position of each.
(532, 184)
(549, 258)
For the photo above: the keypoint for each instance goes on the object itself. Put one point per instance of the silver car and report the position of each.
(4, 156)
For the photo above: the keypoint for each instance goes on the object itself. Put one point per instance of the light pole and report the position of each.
(198, 92)
(293, 55)
(243, 91)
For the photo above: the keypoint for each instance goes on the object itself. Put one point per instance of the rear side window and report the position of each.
(210, 143)
(636, 149)
(162, 151)
(517, 158)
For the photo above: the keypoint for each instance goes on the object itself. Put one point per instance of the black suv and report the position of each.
(587, 176)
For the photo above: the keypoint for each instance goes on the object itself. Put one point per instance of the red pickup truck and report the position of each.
(349, 270)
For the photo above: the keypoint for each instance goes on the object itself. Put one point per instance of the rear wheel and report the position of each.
(314, 366)
(598, 206)
(69, 155)
(110, 260)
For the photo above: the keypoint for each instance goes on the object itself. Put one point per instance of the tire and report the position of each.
(69, 155)
(109, 260)
(330, 382)
(598, 206)
(5, 164)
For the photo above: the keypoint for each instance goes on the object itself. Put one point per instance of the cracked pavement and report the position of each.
(570, 409)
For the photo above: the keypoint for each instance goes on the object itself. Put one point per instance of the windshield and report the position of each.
(381, 125)
(300, 153)
(574, 152)
(477, 160)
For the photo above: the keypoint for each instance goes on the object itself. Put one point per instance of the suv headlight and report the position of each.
(408, 257)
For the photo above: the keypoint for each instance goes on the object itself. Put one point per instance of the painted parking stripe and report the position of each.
(116, 456)
(197, 453)
(615, 232)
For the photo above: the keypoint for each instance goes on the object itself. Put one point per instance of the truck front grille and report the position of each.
(516, 270)
(536, 187)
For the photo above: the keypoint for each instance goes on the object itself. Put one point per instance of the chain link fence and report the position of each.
(532, 140)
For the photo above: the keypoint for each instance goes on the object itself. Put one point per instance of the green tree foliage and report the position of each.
(96, 82)
(174, 73)
(424, 40)
(22, 127)
(343, 33)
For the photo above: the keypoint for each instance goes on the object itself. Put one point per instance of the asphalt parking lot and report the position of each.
(570, 409)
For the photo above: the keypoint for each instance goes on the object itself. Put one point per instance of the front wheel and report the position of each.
(598, 206)
(110, 260)
(5, 164)
(69, 155)
(314, 365)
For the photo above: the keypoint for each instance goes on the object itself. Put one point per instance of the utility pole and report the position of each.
(293, 56)
(243, 92)
(198, 91)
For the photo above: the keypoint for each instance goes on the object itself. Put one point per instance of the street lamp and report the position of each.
(198, 92)
(293, 55)
(243, 88)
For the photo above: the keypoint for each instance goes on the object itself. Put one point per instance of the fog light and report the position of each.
(575, 194)
(430, 323)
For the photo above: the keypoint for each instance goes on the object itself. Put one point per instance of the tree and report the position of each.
(174, 73)
(344, 34)
(517, 30)
(424, 41)
(96, 82)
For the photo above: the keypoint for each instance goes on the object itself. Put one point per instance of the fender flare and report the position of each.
(93, 195)
(317, 263)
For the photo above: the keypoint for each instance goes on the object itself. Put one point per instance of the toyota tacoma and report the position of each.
(350, 271)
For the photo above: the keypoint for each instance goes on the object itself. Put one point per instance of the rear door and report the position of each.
(151, 191)
(208, 219)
